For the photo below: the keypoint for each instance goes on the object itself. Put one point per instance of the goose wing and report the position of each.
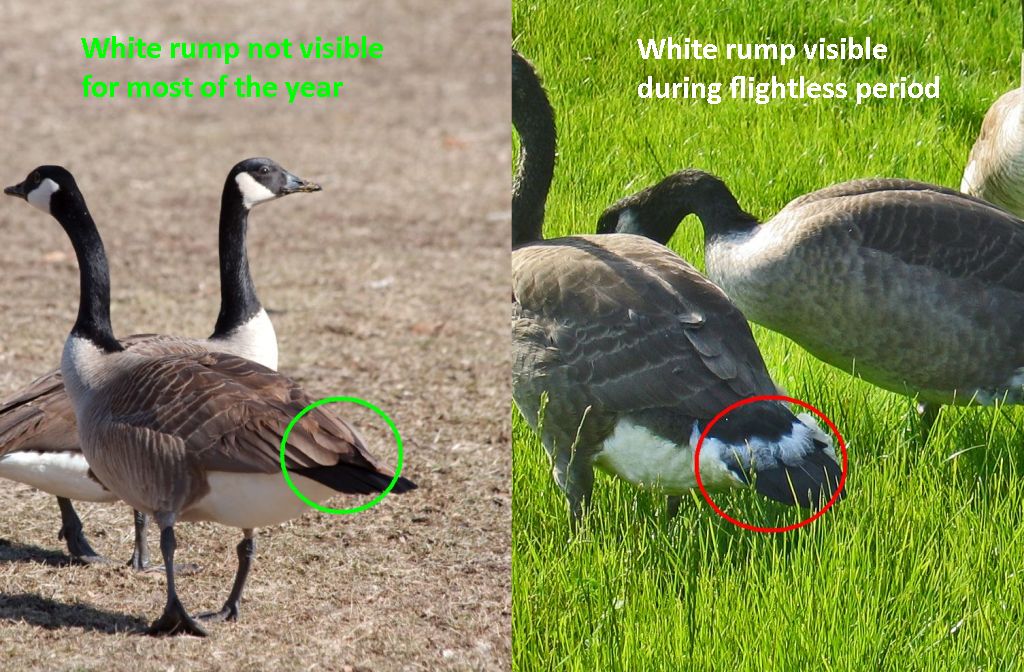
(956, 235)
(40, 416)
(231, 414)
(637, 326)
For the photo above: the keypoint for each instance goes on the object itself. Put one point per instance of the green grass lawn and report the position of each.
(921, 566)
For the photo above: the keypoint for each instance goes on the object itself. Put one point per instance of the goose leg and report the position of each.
(71, 534)
(229, 612)
(574, 474)
(140, 556)
(674, 502)
(928, 414)
(175, 620)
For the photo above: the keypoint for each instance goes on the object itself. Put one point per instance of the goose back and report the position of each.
(622, 324)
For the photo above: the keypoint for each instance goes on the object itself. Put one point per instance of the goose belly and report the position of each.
(253, 500)
(59, 473)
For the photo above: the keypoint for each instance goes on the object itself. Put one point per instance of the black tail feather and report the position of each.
(354, 480)
(809, 484)
(768, 420)
(801, 473)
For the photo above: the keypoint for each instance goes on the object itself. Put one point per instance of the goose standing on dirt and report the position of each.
(635, 353)
(188, 437)
(917, 288)
(38, 434)
(995, 167)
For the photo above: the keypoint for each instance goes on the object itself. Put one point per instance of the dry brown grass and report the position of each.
(390, 285)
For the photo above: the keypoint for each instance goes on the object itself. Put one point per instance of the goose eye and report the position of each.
(265, 170)
(35, 177)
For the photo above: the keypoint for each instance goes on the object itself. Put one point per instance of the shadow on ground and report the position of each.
(12, 551)
(53, 615)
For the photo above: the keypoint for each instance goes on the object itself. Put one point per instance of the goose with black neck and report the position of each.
(38, 433)
(623, 354)
(192, 436)
(916, 287)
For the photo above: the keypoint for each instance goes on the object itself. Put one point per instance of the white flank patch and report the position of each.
(40, 196)
(1015, 388)
(646, 460)
(252, 191)
(254, 500)
(759, 453)
(63, 474)
(255, 340)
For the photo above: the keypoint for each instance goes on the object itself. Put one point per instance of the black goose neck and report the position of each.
(93, 321)
(238, 300)
(723, 216)
(708, 197)
(534, 120)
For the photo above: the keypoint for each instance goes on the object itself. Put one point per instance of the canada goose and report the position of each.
(38, 435)
(635, 353)
(995, 167)
(194, 436)
(918, 288)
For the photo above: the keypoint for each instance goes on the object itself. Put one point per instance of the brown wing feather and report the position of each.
(41, 417)
(38, 417)
(633, 324)
(956, 235)
(231, 413)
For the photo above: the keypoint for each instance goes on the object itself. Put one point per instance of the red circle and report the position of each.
(751, 400)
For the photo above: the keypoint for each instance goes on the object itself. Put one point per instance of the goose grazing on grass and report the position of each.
(919, 289)
(38, 435)
(193, 436)
(995, 167)
(635, 353)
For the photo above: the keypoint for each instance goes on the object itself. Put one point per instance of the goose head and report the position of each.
(259, 180)
(52, 189)
(657, 211)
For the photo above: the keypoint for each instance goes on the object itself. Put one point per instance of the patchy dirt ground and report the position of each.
(391, 285)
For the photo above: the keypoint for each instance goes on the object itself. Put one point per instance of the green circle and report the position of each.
(373, 502)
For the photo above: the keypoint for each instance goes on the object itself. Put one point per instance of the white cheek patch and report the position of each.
(252, 191)
(40, 196)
